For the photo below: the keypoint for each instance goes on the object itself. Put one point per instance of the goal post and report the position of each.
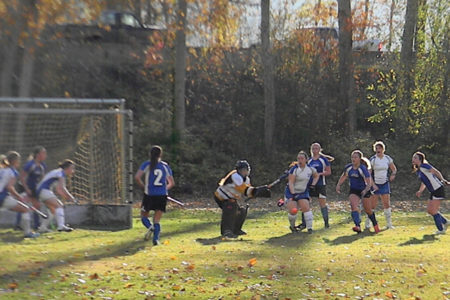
(97, 134)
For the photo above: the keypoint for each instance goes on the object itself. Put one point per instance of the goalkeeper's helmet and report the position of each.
(243, 164)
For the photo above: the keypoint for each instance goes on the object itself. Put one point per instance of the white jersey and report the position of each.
(380, 167)
(6, 174)
(302, 177)
(50, 180)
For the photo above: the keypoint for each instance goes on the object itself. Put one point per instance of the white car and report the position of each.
(370, 45)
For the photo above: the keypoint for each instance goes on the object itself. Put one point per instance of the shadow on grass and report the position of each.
(219, 239)
(348, 239)
(290, 239)
(12, 236)
(97, 252)
(427, 238)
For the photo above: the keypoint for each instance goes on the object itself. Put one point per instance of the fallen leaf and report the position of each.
(13, 285)
(252, 262)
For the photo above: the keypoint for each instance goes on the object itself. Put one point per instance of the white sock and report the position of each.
(309, 219)
(25, 222)
(387, 215)
(368, 222)
(292, 219)
(59, 212)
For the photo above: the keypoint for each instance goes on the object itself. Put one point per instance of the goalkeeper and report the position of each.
(232, 188)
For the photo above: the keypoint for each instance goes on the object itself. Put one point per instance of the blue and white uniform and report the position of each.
(6, 200)
(302, 179)
(35, 173)
(380, 169)
(48, 183)
(320, 165)
(156, 180)
(433, 184)
(356, 178)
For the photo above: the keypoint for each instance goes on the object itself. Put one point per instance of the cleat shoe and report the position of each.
(65, 228)
(156, 242)
(300, 227)
(240, 232)
(293, 229)
(31, 235)
(310, 231)
(229, 235)
(445, 226)
(376, 228)
(440, 232)
(389, 226)
(149, 233)
(356, 229)
(327, 225)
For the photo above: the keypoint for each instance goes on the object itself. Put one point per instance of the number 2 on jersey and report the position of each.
(159, 174)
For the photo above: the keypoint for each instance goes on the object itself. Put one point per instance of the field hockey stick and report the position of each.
(33, 209)
(279, 179)
(175, 201)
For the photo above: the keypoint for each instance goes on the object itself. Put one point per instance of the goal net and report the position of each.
(96, 134)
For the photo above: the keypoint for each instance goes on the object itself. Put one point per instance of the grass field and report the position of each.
(192, 262)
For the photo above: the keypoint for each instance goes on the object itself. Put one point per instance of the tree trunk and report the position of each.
(391, 25)
(346, 63)
(180, 70)
(10, 55)
(407, 65)
(366, 19)
(269, 93)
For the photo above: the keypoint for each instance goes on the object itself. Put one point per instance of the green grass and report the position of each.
(408, 262)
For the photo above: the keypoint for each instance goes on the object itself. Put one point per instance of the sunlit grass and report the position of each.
(193, 262)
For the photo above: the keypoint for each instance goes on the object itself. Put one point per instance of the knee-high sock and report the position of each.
(309, 219)
(46, 222)
(25, 222)
(438, 221)
(373, 218)
(59, 213)
(324, 211)
(367, 224)
(355, 217)
(292, 219)
(146, 222)
(387, 215)
(157, 231)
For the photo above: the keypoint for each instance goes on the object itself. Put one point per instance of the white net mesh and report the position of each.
(93, 135)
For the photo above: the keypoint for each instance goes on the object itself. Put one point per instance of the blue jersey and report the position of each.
(50, 179)
(156, 180)
(356, 176)
(319, 164)
(35, 172)
(6, 174)
(429, 179)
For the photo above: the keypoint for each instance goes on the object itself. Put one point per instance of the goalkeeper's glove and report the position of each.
(262, 191)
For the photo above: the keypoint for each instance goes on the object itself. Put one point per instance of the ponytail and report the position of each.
(422, 159)
(329, 157)
(155, 154)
